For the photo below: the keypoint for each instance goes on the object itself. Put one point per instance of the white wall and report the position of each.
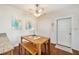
(45, 26)
(47, 29)
(7, 13)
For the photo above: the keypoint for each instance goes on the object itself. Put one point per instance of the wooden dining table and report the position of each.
(38, 40)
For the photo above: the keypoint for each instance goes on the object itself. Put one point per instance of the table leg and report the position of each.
(39, 49)
(49, 46)
(25, 51)
(11, 52)
(20, 49)
(45, 48)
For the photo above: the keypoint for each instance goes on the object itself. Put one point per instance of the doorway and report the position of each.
(64, 32)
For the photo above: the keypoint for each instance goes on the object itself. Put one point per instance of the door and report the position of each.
(64, 31)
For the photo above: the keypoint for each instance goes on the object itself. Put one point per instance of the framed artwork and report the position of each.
(18, 24)
(29, 25)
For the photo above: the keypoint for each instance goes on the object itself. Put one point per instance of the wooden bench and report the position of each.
(31, 48)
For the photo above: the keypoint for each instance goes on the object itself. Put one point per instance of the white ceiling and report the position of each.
(47, 7)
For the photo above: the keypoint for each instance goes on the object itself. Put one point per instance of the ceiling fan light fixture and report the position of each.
(38, 11)
(37, 14)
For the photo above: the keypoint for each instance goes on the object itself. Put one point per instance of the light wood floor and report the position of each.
(54, 51)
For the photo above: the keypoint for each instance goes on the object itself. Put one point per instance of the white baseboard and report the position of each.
(64, 48)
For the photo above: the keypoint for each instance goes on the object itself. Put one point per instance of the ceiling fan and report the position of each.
(37, 11)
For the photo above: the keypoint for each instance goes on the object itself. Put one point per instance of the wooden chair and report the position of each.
(5, 45)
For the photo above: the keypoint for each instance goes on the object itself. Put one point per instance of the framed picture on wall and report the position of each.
(16, 24)
(21, 25)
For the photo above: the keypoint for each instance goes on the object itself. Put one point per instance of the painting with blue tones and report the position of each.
(29, 25)
(16, 24)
